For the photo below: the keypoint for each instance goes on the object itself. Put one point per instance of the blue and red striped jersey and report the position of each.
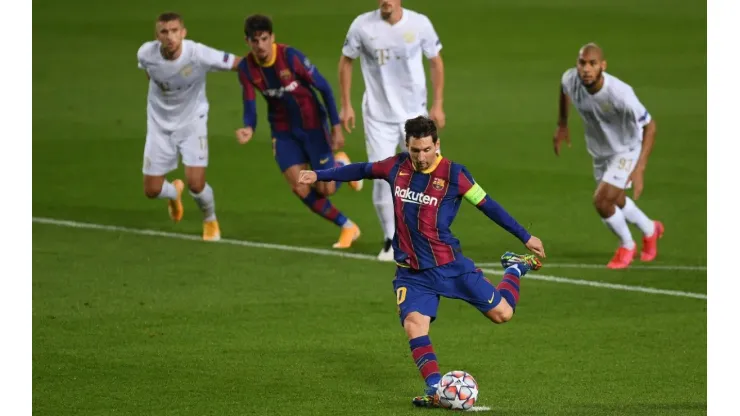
(425, 204)
(288, 84)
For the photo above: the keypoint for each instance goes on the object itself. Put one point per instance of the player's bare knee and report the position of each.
(506, 314)
(604, 205)
(621, 200)
(300, 189)
(416, 325)
(152, 190)
(330, 188)
(153, 186)
(196, 178)
(501, 313)
(196, 187)
(196, 183)
(326, 188)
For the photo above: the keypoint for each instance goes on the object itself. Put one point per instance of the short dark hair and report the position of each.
(420, 127)
(169, 16)
(257, 23)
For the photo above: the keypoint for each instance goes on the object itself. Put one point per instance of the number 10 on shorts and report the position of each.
(400, 297)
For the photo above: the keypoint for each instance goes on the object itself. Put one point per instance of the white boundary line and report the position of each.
(601, 266)
(480, 409)
(344, 254)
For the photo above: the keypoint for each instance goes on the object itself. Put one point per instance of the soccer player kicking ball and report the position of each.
(298, 120)
(619, 136)
(427, 191)
(177, 117)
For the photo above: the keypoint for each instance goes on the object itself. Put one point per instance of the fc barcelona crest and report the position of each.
(285, 74)
(438, 184)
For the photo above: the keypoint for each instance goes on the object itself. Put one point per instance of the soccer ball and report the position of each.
(457, 390)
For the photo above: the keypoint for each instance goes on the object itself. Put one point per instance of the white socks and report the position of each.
(383, 201)
(618, 224)
(168, 191)
(635, 215)
(387, 219)
(206, 203)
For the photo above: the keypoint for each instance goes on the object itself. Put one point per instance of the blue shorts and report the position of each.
(420, 290)
(300, 147)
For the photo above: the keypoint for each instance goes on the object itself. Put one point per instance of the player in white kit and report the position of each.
(620, 134)
(390, 42)
(177, 117)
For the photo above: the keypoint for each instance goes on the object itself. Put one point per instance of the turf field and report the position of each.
(151, 322)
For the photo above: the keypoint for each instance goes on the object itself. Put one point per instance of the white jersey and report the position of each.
(613, 118)
(390, 55)
(177, 88)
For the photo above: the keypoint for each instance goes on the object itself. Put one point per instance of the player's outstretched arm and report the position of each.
(347, 173)
(216, 60)
(473, 193)
(357, 171)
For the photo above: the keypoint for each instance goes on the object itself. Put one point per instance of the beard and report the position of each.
(596, 80)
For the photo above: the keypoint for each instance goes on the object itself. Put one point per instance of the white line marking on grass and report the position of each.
(602, 266)
(344, 254)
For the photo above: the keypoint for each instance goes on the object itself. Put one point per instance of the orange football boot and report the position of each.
(174, 206)
(347, 236)
(211, 231)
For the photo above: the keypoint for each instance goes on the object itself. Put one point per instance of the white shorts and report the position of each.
(162, 147)
(382, 139)
(615, 170)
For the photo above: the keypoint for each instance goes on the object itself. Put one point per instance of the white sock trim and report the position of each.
(168, 191)
(634, 215)
(618, 224)
(206, 203)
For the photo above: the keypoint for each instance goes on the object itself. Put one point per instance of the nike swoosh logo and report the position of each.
(403, 174)
(322, 161)
(492, 297)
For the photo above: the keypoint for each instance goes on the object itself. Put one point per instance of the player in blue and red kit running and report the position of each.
(427, 192)
(298, 120)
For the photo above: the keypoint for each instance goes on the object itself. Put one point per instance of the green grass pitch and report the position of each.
(125, 323)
